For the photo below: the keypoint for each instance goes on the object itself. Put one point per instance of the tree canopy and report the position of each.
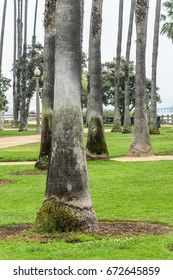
(4, 86)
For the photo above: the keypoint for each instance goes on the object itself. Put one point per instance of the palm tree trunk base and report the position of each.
(137, 152)
(90, 156)
(116, 130)
(63, 217)
(15, 124)
(42, 164)
(126, 131)
(154, 131)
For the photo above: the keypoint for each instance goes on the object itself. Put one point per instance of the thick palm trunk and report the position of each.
(127, 121)
(96, 147)
(153, 114)
(141, 145)
(67, 205)
(117, 117)
(48, 85)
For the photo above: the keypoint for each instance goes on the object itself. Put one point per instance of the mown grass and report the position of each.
(133, 191)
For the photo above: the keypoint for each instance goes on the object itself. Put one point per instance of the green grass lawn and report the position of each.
(121, 191)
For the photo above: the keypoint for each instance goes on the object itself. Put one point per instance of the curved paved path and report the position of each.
(6, 142)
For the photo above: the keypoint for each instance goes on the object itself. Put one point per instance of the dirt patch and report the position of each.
(30, 172)
(118, 228)
(6, 182)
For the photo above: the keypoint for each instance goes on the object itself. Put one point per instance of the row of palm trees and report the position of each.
(67, 188)
(19, 57)
(67, 204)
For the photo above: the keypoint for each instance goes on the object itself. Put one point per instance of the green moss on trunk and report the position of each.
(55, 215)
(96, 142)
(43, 161)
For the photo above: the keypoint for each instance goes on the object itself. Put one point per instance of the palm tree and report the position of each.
(153, 125)
(141, 145)
(1, 50)
(35, 23)
(48, 85)
(17, 93)
(15, 110)
(127, 121)
(96, 147)
(22, 126)
(167, 27)
(67, 204)
(117, 117)
(2, 33)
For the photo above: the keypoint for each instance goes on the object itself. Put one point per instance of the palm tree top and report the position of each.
(167, 28)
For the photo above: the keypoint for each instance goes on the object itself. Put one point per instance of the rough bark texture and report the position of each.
(117, 117)
(96, 147)
(127, 122)
(153, 114)
(67, 204)
(141, 145)
(48, 86)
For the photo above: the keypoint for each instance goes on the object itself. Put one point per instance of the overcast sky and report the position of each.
(109, 40)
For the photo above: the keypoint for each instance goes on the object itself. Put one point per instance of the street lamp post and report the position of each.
(37, 73)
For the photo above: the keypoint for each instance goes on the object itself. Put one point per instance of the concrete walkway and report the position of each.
(6, 142)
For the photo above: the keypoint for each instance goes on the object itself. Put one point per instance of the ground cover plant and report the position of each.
(132, 200)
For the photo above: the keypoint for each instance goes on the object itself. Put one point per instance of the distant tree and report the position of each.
(4, 86)
(108, 85)
(96, 147)
(141, 144)
(117, 118)
(153, 124)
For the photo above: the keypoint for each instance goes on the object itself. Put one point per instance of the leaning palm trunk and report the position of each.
(67, 204)
(141, 145)
(48, 85)
(96, 147)
(117, 117)
(153, 114)
(127, 121)
(2, 33)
